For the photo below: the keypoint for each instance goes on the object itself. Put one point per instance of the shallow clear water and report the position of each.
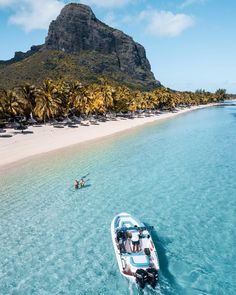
(178, 175)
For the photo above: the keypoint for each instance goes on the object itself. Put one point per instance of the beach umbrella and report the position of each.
(19, 126)
(76, 119)
(67, 121)
(53, 121)
(15, 125)
(31, 121)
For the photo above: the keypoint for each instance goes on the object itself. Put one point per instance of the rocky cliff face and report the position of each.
(78, 32)
(77, 29)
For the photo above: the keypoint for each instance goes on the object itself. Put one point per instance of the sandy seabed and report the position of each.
(38, 140)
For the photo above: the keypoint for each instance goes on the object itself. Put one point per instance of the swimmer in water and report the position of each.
(81, 183)
(76, 184)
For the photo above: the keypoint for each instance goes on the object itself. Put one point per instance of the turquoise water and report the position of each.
(178, 175)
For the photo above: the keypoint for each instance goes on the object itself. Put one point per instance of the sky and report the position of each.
(190, 44)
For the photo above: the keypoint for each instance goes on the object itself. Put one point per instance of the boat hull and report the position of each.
(128, 260)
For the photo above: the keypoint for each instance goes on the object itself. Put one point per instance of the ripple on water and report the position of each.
(177, 176)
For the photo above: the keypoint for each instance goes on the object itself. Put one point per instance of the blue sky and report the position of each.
(190, 44)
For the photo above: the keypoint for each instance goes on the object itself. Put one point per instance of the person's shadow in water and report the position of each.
(85, 186)
(160, 244)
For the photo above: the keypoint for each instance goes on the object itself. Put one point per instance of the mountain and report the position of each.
(79, 46)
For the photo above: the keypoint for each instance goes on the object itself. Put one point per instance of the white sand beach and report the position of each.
(47, 138)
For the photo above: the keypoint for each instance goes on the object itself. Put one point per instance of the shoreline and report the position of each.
(47, 139)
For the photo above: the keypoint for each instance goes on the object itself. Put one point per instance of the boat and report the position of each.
(141, 266)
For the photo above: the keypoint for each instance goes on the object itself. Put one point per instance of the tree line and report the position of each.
(57, 99)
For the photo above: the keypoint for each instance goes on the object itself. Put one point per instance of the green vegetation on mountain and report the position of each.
(88, 67)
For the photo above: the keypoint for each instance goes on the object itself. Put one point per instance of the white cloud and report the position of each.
(106, 3)
(165, 23)
(6, 2)
(187, 3)
(31, 14)
(37, 14)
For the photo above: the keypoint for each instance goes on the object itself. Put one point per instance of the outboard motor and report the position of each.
(141, 277)
(152, 276)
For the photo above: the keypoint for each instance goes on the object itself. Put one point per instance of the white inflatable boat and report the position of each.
(135, 251)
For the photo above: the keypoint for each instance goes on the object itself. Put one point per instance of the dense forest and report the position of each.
(61, 99)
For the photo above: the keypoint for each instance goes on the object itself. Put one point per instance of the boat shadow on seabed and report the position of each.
(167, 283)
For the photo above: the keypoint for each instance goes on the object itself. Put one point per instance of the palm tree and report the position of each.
(221, 95)
(149, 100)
(83, 100)
(107, 94)
(69, 94)
(97, 102)
(28, 93)
(121, 99)
(60, 97)
(10, 104)
(48, 103)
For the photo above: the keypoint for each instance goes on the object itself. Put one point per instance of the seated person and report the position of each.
(147, 251)
(146, 245)
(120, 240)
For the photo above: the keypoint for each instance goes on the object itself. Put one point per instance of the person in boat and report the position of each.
(121, 240)
(81, 183)
(135, 240)
(76, 184)
(128, 237)
(146, 244)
